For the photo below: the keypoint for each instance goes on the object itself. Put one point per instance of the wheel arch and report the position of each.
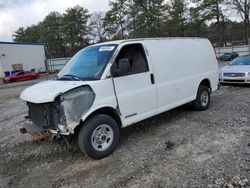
(206, 82)
(110, 111)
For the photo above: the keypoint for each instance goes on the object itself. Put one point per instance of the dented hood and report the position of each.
(47, 91)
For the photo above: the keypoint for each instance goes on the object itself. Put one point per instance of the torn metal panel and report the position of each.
(75, 102)
(64, 113)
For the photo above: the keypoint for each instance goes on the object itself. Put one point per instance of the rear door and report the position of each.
(136, 91)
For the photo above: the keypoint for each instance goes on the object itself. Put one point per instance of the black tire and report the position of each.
(199, 103)
(91, 126)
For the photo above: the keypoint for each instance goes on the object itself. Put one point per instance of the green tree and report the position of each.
(177, 13)
(234, 31)
(209, 11)
(63, 35)
(115, 20)
(75, 29)
(147, 17)
(30, 34)
(51, 34)
(19, 35)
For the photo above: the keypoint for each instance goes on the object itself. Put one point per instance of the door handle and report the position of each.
(152, 78)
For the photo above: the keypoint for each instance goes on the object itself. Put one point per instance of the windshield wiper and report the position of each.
(69, 77)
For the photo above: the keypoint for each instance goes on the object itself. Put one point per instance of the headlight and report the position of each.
(248, 74)
(220, 74)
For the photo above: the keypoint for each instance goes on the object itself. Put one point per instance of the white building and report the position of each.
(15, 56)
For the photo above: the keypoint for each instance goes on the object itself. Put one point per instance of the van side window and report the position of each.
(136, 56)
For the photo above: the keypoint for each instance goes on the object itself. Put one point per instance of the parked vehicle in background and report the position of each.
(228, 56)
(112, 85)
(237, 71)
(21, 75)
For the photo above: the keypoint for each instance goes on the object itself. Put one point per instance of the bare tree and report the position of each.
(243, 7)
(96, 25)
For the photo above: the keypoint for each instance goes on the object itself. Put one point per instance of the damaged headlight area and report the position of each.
(45, 115)
(64, 113)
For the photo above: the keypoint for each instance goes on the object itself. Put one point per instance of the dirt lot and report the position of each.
(179, 148)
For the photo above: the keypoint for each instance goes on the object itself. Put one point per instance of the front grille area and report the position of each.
(43, 115)
(235, 81)
(234, 74)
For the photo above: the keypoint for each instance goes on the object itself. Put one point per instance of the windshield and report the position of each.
(87, 64)
(241, 61)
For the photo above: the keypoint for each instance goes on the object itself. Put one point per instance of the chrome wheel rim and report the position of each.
(102, 137)
(204, 98)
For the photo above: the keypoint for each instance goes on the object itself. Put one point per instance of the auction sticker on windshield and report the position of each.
(106, 48)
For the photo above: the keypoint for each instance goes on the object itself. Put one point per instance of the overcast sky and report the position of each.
(23, 13)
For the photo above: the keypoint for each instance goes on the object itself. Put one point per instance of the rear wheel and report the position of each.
(202, 98)
(99, 136)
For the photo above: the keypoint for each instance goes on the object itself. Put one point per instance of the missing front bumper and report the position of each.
(37, 134)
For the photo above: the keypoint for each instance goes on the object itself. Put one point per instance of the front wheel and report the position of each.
(99, 136)
(202, 99)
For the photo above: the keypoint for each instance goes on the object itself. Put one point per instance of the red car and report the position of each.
(23, 75)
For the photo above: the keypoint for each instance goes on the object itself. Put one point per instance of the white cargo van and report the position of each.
(111, 85)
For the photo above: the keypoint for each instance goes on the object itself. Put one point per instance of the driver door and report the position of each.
(135, 91)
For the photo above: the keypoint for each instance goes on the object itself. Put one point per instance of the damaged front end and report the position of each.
(59, 117)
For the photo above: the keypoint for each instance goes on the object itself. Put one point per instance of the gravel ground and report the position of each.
(179, 148)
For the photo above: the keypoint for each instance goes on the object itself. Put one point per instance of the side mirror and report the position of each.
(122, 67)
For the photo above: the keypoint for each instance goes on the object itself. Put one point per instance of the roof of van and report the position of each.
(145, 39)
